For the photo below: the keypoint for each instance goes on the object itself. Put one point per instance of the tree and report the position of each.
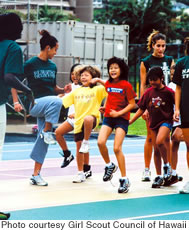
(141, 15)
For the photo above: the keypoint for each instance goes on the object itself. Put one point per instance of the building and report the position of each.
(83, 9)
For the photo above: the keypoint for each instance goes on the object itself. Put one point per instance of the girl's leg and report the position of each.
(64, 128)
(3, 121)
(185, 131)
(147, 154)
(80, 164)
(118, 141)
(148, 147)
(158, 181)
(110, 168)
(163, 134)
(104, 133)
(88, 124)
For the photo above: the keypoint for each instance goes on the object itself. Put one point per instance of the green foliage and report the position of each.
(142, 16)
(50, 14)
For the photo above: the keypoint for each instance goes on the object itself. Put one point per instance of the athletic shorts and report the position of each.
(116, 122)
(80, 136)
(70, 121)
(168, 125)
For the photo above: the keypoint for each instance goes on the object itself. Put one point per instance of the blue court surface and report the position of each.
(92, 199)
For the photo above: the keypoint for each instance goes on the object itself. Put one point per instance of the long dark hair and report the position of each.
(186, 43)
(153, 37)
(47, 39)
(124, 69)
(72, 69)
(155, 73)
(10, 27)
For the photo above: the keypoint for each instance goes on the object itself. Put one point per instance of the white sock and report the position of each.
(109, 164)
(174, 172)
(167, 164)
(85, 141)
(123, 178)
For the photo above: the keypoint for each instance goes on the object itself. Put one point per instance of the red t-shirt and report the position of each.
(119, 94)
(159, 103)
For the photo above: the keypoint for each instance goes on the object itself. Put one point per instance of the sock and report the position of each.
(86, 167)
(174, 172)
(85, 141)
(123, 178)
(67, 153)
(147, 169)
(109, 164)
(167, 164)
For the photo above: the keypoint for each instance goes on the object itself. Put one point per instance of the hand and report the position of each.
(176, 115)
(72, 116)
(102, 110)
(114, 113)
(60, 95)
(18, 107)
(67, 88)
(145, 115)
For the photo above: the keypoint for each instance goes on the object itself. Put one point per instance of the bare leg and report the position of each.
(118, 141)
(64, 128)
(104, 133)
(148, 147)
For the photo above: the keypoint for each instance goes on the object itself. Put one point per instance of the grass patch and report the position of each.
(138, 127)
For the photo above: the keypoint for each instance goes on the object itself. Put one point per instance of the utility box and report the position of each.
(87, 43)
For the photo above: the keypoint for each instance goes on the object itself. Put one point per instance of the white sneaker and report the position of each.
(80, 177)
(48, 138)
(146, 175)
(84, 147)
(38, 180)
(185, 188)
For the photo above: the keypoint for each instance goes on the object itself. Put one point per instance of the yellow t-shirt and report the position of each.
(86, 101)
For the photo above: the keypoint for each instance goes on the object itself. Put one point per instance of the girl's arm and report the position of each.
(17, 105)
(127, 109)
(138, 113)
(97, 80)
(177, 103)
(142, 79)
(67, 88)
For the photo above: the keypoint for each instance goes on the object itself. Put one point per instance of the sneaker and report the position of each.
(173, 180)
(84, 147)
(87, 171)
(38, 180)
(146, 175)
(80, 177)
(124, 186)
(4, 216)
(158, 182)
(185, 189)
(180, 178)
(88, 174)
(48, 138)
(66, 160)
(109, 172)
(167, 172)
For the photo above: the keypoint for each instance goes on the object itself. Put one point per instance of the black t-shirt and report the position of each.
(181, 78)
(41, 76)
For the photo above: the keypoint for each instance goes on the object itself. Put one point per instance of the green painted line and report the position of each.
(109, 210)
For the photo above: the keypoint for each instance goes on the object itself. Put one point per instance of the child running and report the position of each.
(120, 101)
(87, 100)
(159, 101)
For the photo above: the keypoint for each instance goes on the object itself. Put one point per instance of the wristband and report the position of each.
(16, 103)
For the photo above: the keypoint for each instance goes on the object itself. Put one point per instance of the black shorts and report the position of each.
(80, 136)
